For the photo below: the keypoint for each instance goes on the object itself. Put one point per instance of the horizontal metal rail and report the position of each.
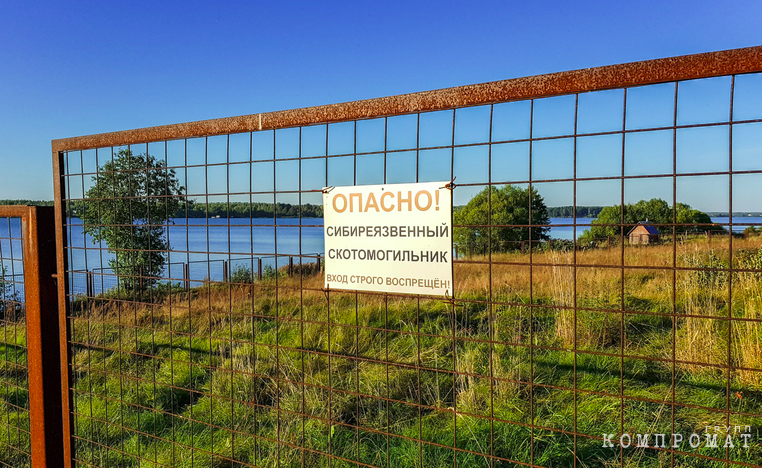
(728, 62)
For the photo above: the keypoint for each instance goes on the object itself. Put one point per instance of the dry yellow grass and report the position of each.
(702, 295)
(700, 337)
(747, 335)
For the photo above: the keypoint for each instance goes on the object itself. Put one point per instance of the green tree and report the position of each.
(510, 210)
(128, 207)
(656, 211)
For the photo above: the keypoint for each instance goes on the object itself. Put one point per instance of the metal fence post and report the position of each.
(88, 283)
(45, 407)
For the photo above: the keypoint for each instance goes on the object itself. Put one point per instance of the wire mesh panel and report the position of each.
(15, 442)
(606, 309)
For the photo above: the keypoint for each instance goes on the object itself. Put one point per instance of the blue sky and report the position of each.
(79, 68)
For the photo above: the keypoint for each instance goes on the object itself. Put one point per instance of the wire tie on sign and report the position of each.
(449, 300)
(326, 290)
(451, 185)
(328, 189)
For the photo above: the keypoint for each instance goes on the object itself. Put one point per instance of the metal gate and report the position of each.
(30, 427)
(198, 332)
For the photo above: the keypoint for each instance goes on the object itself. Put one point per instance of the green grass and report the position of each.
(14, 396)
(197, 380)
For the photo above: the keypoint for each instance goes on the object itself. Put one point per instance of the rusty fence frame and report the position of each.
(675, 69)
(706, 65)
(43, 325)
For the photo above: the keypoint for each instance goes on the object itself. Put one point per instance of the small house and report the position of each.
(643, 233)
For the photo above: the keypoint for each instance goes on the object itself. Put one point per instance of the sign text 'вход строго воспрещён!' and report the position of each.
(389, 238)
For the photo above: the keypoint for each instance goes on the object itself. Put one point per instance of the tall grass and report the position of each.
(563, 295)
(703, 293)
(227, 372)
(747, 334)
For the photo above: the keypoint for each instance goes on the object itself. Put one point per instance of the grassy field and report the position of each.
(272, 375)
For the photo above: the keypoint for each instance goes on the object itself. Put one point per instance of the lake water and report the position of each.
(566, 228)
(205, 244)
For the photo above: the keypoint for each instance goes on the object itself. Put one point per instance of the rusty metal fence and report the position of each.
(15, 431)
(564, 344)
(30, 367)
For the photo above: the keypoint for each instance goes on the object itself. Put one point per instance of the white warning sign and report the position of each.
(389, 238)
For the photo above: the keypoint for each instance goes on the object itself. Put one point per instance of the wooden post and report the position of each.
(290, 267)
(186, 275)
(608, 241)
(259, 269)
(224, 271)
(88, 283)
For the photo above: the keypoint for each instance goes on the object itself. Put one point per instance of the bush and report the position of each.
(558, 245)
(268, 272)
(752, 231)
(241, 274)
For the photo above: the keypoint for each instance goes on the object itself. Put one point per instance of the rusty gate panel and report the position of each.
(608, 280)
(15, 386)
(29, 307)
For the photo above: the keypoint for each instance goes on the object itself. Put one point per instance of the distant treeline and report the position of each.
(27, 202)
(246, 210)
(217, 209)
(197, 209)
(736, 214)
(568, 211)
